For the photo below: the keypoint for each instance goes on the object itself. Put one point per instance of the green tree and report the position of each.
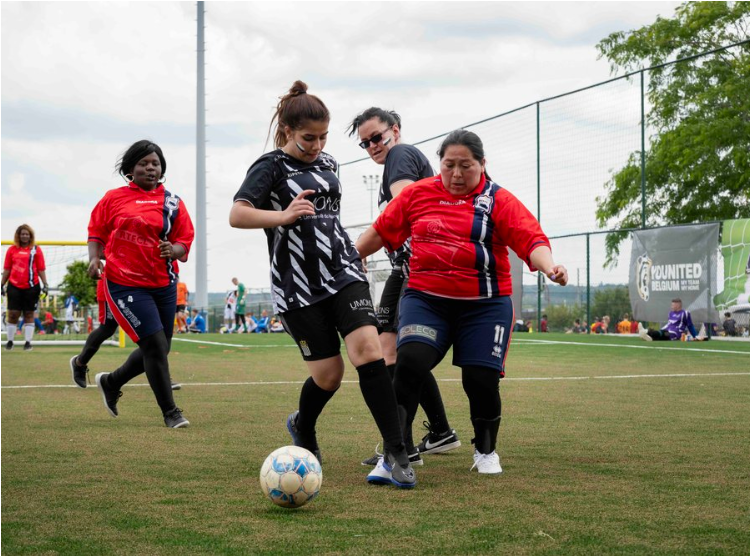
(77, 282)
(560, 317)
(698, 159)
(614, 302)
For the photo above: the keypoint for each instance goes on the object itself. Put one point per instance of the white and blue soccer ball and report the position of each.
(291, 476)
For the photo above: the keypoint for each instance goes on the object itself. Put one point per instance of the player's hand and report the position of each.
(298, 207)
(44, 292)
(364, 264)
(5, 291)
(166, 250)
(95, 268)
(558, 274)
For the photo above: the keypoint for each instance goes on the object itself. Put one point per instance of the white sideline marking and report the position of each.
(299, 382)
(523, 341)
(232, 345)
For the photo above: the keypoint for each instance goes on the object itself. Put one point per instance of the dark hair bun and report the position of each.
(299, 88)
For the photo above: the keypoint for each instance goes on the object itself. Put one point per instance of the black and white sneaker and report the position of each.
(174, 419)
(9, 345)
(436, 443)
(27, 346)
(80, 374)
(109, 396)
(308, 442)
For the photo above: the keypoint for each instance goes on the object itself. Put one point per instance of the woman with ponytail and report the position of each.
(318, 284)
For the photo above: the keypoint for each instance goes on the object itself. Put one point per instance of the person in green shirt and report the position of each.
(239, 312)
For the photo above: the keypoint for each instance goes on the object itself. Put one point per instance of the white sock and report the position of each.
(28, 332)
(11, 331)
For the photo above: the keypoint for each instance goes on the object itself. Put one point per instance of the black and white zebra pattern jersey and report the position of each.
(313, 258)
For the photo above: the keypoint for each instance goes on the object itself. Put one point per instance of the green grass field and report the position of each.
(609, 445)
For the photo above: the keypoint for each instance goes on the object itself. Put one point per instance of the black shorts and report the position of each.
(316, 328)
(25, 300)
(388, 308)
(181, 308)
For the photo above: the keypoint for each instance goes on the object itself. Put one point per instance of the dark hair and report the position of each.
(389, 117)
(467, 139)
(136, 152)
(17, 235)
(728, 315)
(677, 300)
(293, 109)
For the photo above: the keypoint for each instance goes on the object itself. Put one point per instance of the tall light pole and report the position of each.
(201, 257)
(371, 184)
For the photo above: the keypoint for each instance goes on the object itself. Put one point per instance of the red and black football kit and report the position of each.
(24, 264)
(130, 222)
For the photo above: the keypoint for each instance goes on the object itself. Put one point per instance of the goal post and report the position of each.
(58, 255)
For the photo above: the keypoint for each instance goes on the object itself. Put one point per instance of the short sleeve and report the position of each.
(393, 225)
(98, 223)
(520, 229)
(8, 258)
(256, 189)
(403, 163)
(39, 260)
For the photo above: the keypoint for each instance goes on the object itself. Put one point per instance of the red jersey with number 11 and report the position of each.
(459, 242)
(130, 223)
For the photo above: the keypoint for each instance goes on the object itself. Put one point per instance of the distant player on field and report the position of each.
(461, 225)
(679, 322)
(380, 134)
(23, 269)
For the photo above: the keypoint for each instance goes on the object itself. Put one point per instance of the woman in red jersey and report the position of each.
(458, 295)
(24, 267)
(143, 230)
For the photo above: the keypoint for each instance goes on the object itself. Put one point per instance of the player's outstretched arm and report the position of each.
(541, 258)
(368, 243)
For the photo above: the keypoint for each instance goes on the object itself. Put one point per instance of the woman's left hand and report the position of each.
(558, 274)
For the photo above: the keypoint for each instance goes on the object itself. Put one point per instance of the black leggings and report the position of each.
(95, 341)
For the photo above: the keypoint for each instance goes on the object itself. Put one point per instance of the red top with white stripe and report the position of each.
(130, 223)
(24, 264)
(459, 242)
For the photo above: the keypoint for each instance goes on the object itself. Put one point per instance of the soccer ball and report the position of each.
(291, 476)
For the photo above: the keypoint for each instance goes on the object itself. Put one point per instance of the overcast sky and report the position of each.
(82, 81)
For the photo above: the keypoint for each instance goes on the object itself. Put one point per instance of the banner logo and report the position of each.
(643, 276)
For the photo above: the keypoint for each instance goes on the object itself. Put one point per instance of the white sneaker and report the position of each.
(380, 475)
(643, 333)
(701, 333)
(488, 464)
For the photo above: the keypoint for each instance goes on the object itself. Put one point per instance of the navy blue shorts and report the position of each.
(478, 329)
(141, 312)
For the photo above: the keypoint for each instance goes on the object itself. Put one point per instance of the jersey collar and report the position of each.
(159, 189)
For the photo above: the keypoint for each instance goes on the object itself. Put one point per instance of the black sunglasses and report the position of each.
(375, 139)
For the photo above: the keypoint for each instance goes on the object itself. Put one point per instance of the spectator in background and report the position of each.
(262, 322)
(543, 324)
(623, 327)
(230, 303)
(71, 305)
(50, 324)
(729, 325)
(239, 309)
(577, 328)
(196, 323)
(276, 325)
(251, 322)
(520, 326)
(679, 321)
(634, 326)
(182, 302)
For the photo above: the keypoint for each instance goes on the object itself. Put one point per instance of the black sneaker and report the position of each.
(27, 346)
(80, 374)
(174, 419)
(109, 396)
(9, 345)
(176, 386)
(436, 443)
(298, 439)
(401, 476)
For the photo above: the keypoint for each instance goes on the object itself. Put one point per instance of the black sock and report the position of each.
(312, 400)
(432, 404)
(377, 390)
